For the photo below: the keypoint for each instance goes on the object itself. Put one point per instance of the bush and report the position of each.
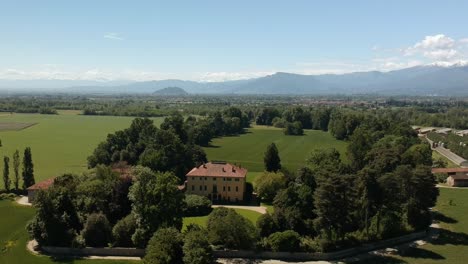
(7, 196)
(123, 231)
(165, 247)
(288, 240)
(197, 205)
(228, 229)
(293, 129)
(97, 230)
(197, 249)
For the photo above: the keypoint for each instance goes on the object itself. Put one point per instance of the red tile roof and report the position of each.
(43, 185)
(449, 170)
(218, 169)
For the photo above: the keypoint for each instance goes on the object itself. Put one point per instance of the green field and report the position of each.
(248, 149)
(201, 220)
(59, 143)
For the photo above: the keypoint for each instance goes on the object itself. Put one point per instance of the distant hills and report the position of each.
(171, 91)
(420, 80)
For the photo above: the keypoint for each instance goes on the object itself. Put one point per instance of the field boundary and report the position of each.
(244, 254)
(21, 126)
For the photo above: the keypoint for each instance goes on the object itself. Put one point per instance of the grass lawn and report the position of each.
(452, 244)
(248, 149)
(436, 155)
(13, 238)
(59, 143)
(451, 247)
(201, 220)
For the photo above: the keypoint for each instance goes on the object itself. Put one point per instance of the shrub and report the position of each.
(7, 196)
(284, 241)
(123, 231)
(197, 205)
(228, 229)
(97, 230)
(197, 249)
(165, 247)
(293, 129)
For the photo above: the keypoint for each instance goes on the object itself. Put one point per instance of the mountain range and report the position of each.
(420, 80)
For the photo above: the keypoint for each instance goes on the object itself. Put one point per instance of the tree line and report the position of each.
(384, 188)
(27, 173)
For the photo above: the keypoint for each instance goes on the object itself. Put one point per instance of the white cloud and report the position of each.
(113, 36)
(230, 76)
(439, 41)
(437, 48)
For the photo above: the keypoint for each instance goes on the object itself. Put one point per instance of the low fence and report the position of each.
(302, 256)
(89, 251)
(297, 256)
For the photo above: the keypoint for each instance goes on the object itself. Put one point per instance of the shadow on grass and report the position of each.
(414, 252)
(447, 237)
(439, 217)
(377, 259)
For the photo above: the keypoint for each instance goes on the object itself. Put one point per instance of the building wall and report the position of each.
(217, 188)
(457, 182)
(31, 195)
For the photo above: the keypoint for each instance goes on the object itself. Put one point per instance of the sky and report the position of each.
(225, 40)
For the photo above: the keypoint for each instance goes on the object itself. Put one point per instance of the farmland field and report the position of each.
(248, 149)
(59, 143)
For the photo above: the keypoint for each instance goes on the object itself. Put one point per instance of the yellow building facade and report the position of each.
(219, 181)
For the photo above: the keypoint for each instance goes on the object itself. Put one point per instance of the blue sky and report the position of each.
(220, 40)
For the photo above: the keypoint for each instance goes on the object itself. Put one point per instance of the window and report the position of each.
(214, 178)
(206, 178)
(224, 188)
(193, 187)
(201, 178)
(229, 179)
(237, 188)
(205, 188)
(201, 188)
(224, 179)
(229, 188)
(236, 179)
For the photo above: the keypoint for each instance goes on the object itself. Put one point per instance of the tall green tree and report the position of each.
(28, 169)
(334, 205)
(197, 248)
(271, 159)
(6, 173)
(165, 247)
(157, 202)
(16, 164)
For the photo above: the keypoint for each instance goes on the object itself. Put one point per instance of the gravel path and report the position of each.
(32, 247)
(23, 200)
(258, 209)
